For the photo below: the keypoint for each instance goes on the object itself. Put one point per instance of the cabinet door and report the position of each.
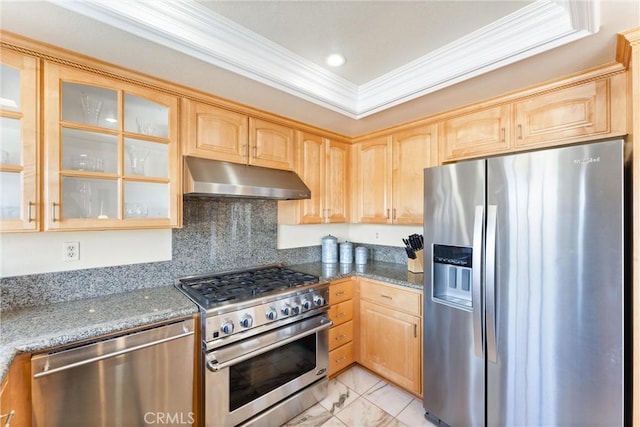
(111, 153)
(338, 187)
(413, 150)
(477, 134)
(312, 171)
(15, 394)
(390, 345)
(19, 143)
(271, 145)
(215, 133)
(373, 181)
(563, 115)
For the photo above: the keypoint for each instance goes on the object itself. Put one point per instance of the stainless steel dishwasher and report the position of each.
(142, 378)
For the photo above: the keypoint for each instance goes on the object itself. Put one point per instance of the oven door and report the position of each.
(249, 376)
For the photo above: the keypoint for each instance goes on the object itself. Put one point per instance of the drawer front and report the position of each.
(340, 358)
(340, 335)
(341, 313)
(392, 297)
(341, 291)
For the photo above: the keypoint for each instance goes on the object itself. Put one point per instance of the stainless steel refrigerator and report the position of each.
(524, 306)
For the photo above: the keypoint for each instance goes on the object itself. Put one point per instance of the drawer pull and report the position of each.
(341, 314)
(385, 296)
(340, 359)
(9, 417)
(340, 337)
(339, 293)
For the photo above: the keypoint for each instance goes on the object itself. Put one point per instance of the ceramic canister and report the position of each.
(346, 253)
(329, 249)
(361, 255)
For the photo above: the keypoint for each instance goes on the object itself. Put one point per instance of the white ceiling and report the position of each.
(405, 59)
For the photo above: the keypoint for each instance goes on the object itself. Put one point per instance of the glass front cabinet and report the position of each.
(111, 157)
(19, 144)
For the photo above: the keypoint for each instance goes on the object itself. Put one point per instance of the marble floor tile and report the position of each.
(388, 397)
(364, 413)
(358, 379)
(338, 396)
(413, 415)
(317, 415)
(358, 398)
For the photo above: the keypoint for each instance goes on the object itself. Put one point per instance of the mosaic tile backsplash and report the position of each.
(218, 235)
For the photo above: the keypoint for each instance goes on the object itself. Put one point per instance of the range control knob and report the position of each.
(318, 300)
(271, 314)
(227, 327)
(246, 321)
(286, 310)
(306, 304)
(295, 309)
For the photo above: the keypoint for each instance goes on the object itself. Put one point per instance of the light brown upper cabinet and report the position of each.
(323, 165)
(564, 115)
(388, 175)
(214, 133)
(111, 153)
(577, 111)
(271, 145)
(220, 134)
(19, 143)
(413, 150)
(478, 133)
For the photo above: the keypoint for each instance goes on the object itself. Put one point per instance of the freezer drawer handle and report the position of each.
(476, 287)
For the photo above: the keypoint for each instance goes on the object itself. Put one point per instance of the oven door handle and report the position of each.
(215, 366)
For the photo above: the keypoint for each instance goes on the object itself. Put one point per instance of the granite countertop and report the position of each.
(385, 271)
(32, 329)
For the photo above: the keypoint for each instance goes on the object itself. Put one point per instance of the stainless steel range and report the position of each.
(264, 343)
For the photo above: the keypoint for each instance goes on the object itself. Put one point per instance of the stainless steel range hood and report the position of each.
(212, 178)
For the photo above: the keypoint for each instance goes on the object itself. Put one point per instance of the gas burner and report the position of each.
(215, 289)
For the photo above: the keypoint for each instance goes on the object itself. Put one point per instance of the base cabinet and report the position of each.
(391, 333)
(15, 393)
(341, 352)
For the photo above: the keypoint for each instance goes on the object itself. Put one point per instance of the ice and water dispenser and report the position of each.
(452, 275)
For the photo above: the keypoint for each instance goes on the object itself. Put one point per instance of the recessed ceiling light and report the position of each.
(335, 60)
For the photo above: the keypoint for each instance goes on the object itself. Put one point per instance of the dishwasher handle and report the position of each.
(187, 330)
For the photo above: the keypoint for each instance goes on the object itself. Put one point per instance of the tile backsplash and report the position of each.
(218, 235)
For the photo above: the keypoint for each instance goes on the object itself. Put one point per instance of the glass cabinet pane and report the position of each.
(145, 158)
(144, 199)
(145, 117)
(89, 151)
(10, 141)
(10, 195)
(89, 198)
(90, 105)
(9, 88)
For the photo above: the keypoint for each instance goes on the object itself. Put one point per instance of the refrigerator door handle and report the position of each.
(476, 287)
(490, 259)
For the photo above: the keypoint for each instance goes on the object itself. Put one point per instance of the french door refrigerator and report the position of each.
(524, 303)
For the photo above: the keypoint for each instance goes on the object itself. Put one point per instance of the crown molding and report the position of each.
(192, 29)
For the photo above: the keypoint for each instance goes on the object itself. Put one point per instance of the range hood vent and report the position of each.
(212, 178)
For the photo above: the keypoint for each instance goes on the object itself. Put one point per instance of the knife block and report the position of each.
(416, 265)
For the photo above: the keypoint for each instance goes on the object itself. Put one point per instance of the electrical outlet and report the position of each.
(71, 251)
(377, 236)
